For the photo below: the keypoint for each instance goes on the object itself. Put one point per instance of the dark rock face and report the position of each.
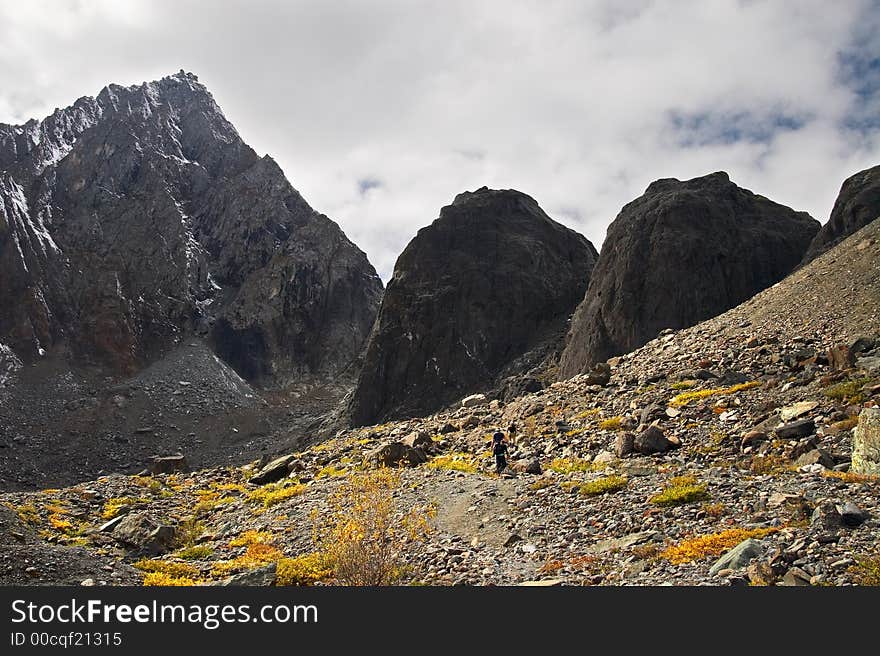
(681, 253)
(857, 205)
(489, 280)
(137, 217)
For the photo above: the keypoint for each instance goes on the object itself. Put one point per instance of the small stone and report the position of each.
(851, 515)
(87, 582)
(512, 539)
(651, 441)
(826, 516)
(841, 358)
(795, 576)
(816, 456)
(796, 429)
(542, 583)
(738, 557)
(624, 444)
(473, 400)
(790, 412)
(273, 471)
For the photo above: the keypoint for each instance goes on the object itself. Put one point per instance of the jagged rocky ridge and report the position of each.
(681, 253)
(137, 217)
(857, 205)
(768, 459)
(484, 291)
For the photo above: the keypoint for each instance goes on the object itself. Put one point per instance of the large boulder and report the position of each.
(866, 443)
(857, 205)
(485, 290)
(144, 532)
(139, 216)
(681, 253)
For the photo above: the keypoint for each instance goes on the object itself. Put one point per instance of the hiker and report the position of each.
(499, 450)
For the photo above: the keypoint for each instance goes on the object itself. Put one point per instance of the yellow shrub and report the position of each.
(331, 471)
(570, 465)
(540, 484)
(304, 570)
(680, 490)
(603, 485)
(115, 504)
(257, 555)
(229, 487)
(163, 579)
(612, 423)
(686, 397)
(59, 523)
(269, 495)
(713, 544)
(684, 384)
(364, 534)
(168, 567)
(851, 477)
(250, 537)
(196, 552)
(455, 461)
(29, 514)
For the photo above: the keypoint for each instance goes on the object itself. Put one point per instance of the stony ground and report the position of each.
(60, 424)
(750, 415)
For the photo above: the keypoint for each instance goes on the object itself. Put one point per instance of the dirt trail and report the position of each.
(480, 510)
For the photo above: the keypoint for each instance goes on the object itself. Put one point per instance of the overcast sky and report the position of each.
(381, 112)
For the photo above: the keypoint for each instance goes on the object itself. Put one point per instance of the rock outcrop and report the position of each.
(132, 219)
(857, 204)
(492, 278)
(681, 253)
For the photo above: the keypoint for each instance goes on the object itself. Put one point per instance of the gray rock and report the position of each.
(738, 557)
(851, 515)
(168, 464)
(262, 576)
(512, 539)
(624, 444)
(866, 443)
(815, 456)
(795, 410)
(144, 532)
(600, 374)
(651, 441)
(391, 454)
(473, 400)
(679, 254)
(482, 293)
(841, 358)
(826, 517)
(796, 429)
(857, 204)
(273, 471)
(140, 215)
(794, 577)
(418, 440)
(869, 364)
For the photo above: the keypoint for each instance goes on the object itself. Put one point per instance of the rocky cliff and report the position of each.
(857, 205)
(491, 279)
(134, 218)
(681, 253)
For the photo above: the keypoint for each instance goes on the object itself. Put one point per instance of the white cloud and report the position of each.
(580, 104)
